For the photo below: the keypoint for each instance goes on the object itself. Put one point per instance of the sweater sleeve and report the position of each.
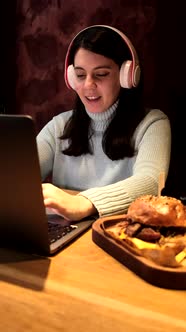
(46, 149)
(153, 144)
(47, 142)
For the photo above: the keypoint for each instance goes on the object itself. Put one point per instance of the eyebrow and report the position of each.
(99, 67)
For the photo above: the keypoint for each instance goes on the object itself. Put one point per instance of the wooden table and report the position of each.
(82, 289)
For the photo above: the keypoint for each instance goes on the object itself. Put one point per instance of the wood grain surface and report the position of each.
(83, 289)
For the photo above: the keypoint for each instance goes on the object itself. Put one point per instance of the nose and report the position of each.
(90, 81)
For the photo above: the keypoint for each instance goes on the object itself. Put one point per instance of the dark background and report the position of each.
(34, 36)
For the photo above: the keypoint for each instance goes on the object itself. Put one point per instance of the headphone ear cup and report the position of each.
(70, 77)
(126, 75)
(136, 75)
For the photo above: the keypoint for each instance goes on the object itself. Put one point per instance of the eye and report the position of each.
(80, 76)
(101, 74)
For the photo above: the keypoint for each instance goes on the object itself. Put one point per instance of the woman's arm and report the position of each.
(153, 140)
(46, 149)
(47, 140)
(70, 206)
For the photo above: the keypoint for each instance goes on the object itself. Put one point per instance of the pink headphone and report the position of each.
(129, 71)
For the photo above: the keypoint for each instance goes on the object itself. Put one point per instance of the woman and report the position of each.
(109, 148)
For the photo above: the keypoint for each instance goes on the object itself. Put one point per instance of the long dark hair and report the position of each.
(117, 140)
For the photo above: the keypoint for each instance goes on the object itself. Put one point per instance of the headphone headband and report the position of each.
(129, 72)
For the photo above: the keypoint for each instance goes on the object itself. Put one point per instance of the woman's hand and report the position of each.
(70, 206)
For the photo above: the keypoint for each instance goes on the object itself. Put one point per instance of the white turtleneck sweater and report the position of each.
(110, 185)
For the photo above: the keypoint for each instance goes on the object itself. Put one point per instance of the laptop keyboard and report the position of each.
(58, 231)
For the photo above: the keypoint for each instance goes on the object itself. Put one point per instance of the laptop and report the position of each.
(24, 221)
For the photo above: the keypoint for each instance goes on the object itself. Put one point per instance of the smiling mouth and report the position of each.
(92, 98)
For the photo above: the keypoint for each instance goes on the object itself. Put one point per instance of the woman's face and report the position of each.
(97, 80)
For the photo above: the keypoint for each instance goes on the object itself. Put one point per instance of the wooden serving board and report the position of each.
(164, 277)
